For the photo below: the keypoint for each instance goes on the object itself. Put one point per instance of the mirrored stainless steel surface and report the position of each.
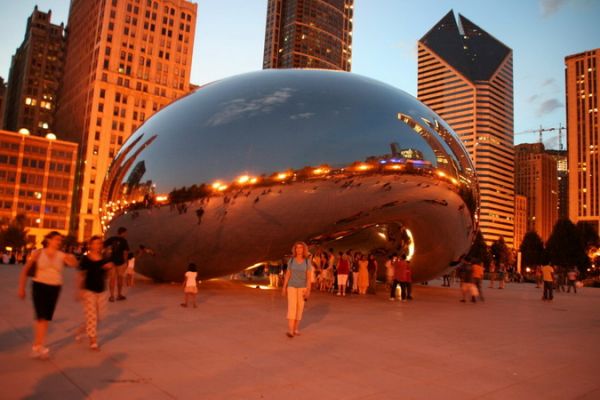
(232, 174)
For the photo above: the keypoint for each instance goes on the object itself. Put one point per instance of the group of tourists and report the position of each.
(348, 272)
(560, 277)
(554, 278)
(45, 268)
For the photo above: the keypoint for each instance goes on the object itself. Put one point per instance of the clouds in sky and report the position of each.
(549, 7)
(548, 106)
(242, 108)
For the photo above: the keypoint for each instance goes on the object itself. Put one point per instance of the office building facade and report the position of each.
(37, 178)
(35, 75)
(582, 75)
(520, 219)
(309, 34)
(536, 178)
(125, 61)
(466, 76)
(562, 171)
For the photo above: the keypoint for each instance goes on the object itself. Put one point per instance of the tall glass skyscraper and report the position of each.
(309, 34)
(466, 76)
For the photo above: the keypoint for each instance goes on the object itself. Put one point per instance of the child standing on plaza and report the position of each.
(190, 286)
(130, 272)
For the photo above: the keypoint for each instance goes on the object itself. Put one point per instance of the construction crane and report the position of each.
(541, 130)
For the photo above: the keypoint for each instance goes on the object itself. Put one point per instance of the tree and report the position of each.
(565, 247)
(588, 235)
(500, 251)
(532, 250)
(480, 250)
(14, 234)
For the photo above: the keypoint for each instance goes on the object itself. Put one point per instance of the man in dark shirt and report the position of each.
(118, 250)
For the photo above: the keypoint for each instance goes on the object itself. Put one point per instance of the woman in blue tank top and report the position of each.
(296, 285)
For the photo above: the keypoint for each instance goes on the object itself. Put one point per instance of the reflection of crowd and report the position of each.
(349, 272)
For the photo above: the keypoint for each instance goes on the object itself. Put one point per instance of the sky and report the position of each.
(230, 39)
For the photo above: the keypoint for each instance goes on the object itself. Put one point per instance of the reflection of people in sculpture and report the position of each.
(199, 214)
(363, 274)
(296, 285)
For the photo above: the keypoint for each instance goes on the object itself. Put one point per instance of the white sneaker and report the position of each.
(40, 352)
(392, 299)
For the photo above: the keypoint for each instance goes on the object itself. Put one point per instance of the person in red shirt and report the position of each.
(343, 269)
(400, 276)
(406, 280)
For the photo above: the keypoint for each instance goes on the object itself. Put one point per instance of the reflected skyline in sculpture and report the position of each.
(267, 158)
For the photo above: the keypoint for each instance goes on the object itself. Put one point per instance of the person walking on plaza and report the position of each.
(399, 267)
(571, 280)
(190, 286)
(446, 280)
(274, 270)
(389, 271)
(405, 280)
(118, 248)
(354, 268)
(465, 271)
(477, 274)
(47, 279)
(296, 286)
(548, 277)
(363, 274)
(538, 276)
(560, 277)
(92, 285)
(502, 275)
(493, 268)
(343, 269)
(372, 268)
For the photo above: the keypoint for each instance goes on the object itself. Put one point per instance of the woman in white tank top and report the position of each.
(45, 288)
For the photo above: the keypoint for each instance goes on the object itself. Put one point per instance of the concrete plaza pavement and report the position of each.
(233, 346)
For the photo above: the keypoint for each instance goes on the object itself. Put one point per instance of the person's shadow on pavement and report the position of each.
(64, 383)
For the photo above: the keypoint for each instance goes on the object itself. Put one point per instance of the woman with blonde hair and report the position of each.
(296, 285)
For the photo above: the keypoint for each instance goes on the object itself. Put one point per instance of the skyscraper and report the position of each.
(536, 178)
(465, 75)
(125, 61)
(583, 136)
(35, 74)
(562, 169)
(520, 219)
(309, 34)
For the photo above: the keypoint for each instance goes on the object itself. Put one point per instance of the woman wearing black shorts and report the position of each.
(45, 288)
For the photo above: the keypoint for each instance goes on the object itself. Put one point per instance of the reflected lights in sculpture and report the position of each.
(232, 174)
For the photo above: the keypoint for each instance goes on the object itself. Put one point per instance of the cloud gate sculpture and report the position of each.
(232, 174)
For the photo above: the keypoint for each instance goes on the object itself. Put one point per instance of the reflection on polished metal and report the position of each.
(234, 173)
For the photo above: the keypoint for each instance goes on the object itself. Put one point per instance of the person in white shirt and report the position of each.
(45, 267)
(190, 286)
